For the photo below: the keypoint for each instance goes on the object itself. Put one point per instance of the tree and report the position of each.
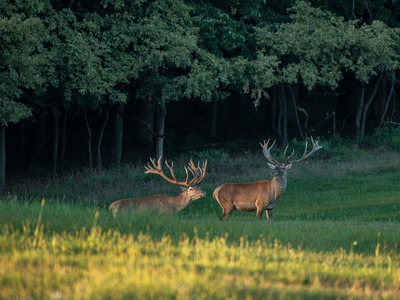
(22, 59)
(317, 48)
(370, 52)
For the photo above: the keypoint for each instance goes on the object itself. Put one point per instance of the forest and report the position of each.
(94, 84)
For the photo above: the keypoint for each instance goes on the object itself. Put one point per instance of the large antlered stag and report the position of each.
(164, 203)
(259, 195)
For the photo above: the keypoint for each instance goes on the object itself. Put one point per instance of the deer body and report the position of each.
(163, 203)
(263, 195)
(160, 203)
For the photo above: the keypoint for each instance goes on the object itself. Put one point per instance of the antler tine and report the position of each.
(267, 152)
(187, 178)
(284, 153)
(154, 168)
(194, 171)
(171, 169)
(202, 171)
(315, 148)
(157, 169)
(290, 156)
(192, 167)
(198, 172)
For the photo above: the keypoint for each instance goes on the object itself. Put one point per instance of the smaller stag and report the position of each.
(163, 203)
(259, 195)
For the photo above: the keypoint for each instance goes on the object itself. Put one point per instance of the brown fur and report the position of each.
(259, 195)
(160, 203)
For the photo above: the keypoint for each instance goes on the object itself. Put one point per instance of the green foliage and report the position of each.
(395, 140)
(388, 135)
(212, 155)
(317, 47)
(22, 63)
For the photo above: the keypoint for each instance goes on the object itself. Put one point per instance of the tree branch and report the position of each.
(148, 126)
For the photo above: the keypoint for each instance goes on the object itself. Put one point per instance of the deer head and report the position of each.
(190, 187)
(279, 168)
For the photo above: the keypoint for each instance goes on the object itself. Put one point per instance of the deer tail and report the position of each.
(215, 193)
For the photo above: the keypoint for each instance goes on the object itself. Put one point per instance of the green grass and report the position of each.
(334, 235)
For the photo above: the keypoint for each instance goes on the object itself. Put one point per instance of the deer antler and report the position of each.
(267, 153)
(198, 173)
(315, 148)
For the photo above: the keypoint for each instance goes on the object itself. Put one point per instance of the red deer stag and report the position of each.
(164, 203)
(259, 195)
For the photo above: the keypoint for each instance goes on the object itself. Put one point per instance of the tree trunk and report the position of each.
(366, 106)
(391, 94)
(22, 145)
(161, 127)
(359, 111)
(283, 108)
(63, 136)
(99, 166)
(2, 157)
(38, 142)
(214, 119)
(295, 93)
(279, 119)
(144, 137)
(89, 142)
(381, 97)
(55, 142)
(271, 112)
(116, 149)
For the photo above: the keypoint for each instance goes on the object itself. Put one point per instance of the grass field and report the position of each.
(334, 235)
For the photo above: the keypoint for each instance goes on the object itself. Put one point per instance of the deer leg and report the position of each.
(226, 213)
(268, 213)
(260, 210)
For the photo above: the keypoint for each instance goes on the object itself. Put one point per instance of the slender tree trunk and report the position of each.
(365, 109)
(22, 145)
(55, 142)
(391, 93)
(381, 97)
(359, 110)
(283, 107)
(214, 119)
(89, 142)
(161, 127)
(273, 109)
(116, 149)
(280, 115)
(38, 143)
(63, 136)
(99, 166)
(294, 98)
(2, 157)
(147, 109)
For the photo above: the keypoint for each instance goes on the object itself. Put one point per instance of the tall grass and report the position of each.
(95, 263)
(334, 235)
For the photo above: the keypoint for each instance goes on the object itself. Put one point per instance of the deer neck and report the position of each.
(180, 201)
(279, 184)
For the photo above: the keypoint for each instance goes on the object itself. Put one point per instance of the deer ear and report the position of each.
(288, 166)
(184, 188)
(272, 166)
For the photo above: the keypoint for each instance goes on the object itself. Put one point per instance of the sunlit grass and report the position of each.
(100, 264)
(334, 235)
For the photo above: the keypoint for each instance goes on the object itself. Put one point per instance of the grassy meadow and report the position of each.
(334, 235)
